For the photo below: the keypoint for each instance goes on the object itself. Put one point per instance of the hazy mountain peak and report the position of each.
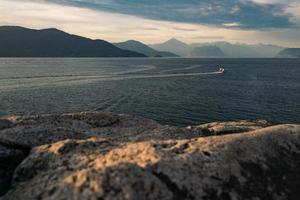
(289, 53)
(133, 41)
(175, 41)
(208, 52)
(140, 47)
(173, 45)
(240, 50)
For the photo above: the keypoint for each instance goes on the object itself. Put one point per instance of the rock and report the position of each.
(221, 128)
(4, 123)
(18, 134)
(31, 131)
(36, 130)
(9, 160)
(118, 156)
(259, 164)
(24, 132)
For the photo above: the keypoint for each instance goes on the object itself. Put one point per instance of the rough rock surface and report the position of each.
(21, 133)
(31, 131)
(114, 156)
(9, 159)
(221, 128)
(4, 123)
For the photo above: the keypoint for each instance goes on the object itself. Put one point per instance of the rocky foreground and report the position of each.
(116, 156)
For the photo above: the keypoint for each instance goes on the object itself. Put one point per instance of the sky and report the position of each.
(153, 21)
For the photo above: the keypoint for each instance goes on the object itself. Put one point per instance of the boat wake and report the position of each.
(182, 69)
(166, 75)
(122, 77)
(15, 83)
(140, 69)
(104, 75)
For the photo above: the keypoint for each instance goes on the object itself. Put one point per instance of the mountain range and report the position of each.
(208, 52)
(289, 53)
(24, 42)
(228, 49)
(137, 46)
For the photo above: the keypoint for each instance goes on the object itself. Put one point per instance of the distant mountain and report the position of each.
(208, 52)
(230, 50)
(245, 50)
(266, 50)
(289, 53)
(174, 46)
(24, 42)
(237, 50)
(137, 46)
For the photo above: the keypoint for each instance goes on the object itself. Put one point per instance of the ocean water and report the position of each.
(177, 91)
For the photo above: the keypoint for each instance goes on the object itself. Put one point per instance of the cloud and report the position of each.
(209, 37)
(184, 29)
(249, 14)
(294, 8)
(232, 24)
(116, 27)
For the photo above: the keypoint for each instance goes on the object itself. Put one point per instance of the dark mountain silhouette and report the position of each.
(289, 53)
(208, 52)
(137, 46)
(24, 42)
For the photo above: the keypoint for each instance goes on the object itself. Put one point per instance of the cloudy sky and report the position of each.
(153, 21)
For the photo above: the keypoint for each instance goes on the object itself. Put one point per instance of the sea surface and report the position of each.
(175, 91)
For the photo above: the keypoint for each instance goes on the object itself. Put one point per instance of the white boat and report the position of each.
(222, 70)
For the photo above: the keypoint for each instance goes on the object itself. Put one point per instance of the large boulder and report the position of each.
(259, 164)
(18, 134)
